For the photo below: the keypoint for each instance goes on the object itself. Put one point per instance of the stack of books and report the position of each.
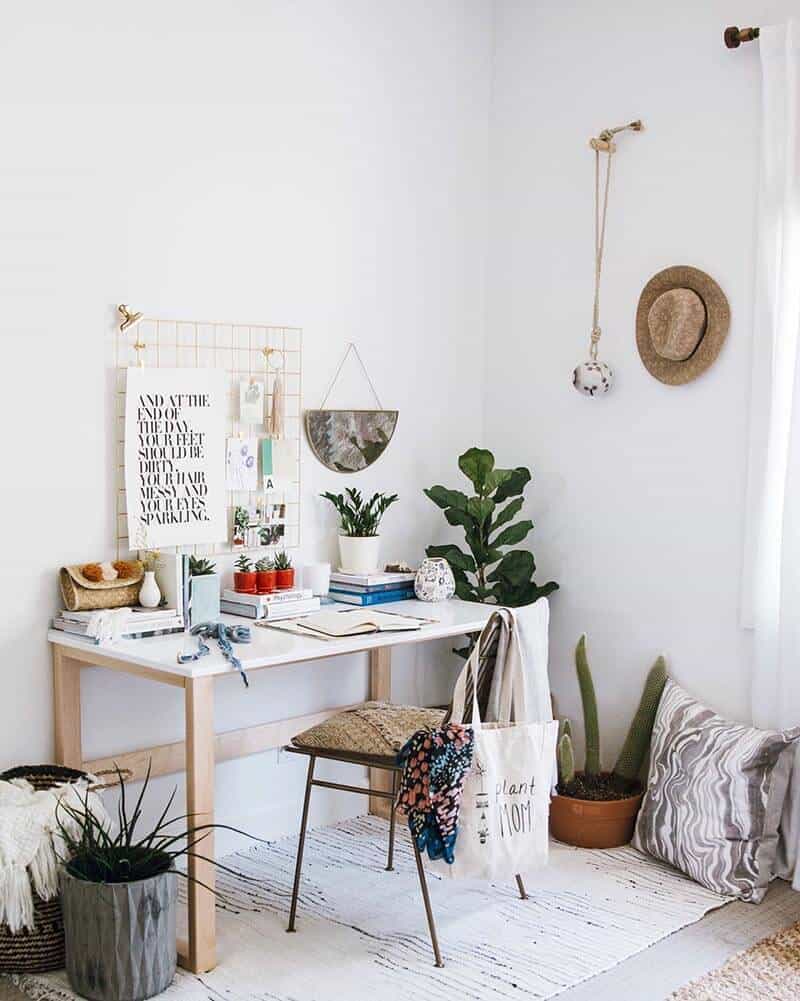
(142, 622)
(275, 605)
(371, 589)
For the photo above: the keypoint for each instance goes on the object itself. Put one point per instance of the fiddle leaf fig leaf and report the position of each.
(516, 567)
(456, 517)
(476, 464)
(454, 556)
(514, 485)
(513, 534)
(445, 498)
(508, 512)
(481, 508)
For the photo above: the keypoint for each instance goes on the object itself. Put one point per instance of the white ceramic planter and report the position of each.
(360, 554)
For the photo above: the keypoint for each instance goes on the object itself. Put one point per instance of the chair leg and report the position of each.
(392, 823)
(521, 887)
(301, 843)
(427, 901)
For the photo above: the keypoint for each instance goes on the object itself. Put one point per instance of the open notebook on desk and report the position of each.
(351, 622)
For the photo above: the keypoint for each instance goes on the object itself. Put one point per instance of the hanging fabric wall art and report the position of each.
(348, 441)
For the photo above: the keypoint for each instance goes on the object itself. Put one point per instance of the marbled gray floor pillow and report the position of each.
(714, 796)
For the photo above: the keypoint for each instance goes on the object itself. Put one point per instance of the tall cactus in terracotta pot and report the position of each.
(593, 808)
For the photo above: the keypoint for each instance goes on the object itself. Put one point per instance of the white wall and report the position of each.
(318, 164)
(638, 497)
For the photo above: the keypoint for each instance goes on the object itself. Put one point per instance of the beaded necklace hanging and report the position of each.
(595, 377)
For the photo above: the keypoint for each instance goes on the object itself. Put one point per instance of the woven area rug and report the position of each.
(361, 932)
(770, 970)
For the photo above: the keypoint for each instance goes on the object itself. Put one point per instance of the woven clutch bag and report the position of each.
(81, 595)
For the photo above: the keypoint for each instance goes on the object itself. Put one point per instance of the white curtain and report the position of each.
(772, 572)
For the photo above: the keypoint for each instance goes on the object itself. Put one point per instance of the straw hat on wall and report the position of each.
(681, 323)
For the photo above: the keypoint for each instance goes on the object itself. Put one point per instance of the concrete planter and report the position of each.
(120, 937)
(204, 599)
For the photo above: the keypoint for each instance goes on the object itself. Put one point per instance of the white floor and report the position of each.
(653, 974)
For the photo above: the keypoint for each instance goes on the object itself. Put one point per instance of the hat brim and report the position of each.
(718, 318)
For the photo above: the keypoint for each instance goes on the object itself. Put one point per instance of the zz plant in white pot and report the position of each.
(359, 542)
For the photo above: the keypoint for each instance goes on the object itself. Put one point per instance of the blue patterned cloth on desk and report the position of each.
(435, 763)
(224, 635)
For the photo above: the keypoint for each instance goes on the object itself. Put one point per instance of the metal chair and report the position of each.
(488, 648)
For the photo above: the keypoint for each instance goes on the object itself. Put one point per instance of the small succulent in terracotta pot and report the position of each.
(285, 571)
(244, 576)
(593, 808)
(266, 576)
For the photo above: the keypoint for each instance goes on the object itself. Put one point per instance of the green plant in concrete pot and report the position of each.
(594, 808)
(119, 895)
(203, 591)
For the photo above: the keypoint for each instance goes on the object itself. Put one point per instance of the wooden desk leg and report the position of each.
(202, 952)
(67, 710)
(380, 690)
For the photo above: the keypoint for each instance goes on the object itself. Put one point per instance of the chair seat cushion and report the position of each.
(376, 728)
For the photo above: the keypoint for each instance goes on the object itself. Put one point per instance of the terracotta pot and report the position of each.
(285, 578)
(245, 583)
(266, 581)
(590, 823)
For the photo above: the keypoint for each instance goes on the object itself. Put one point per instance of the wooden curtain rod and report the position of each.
(735, 36)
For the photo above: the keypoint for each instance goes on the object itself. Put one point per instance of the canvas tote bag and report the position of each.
(505, 804)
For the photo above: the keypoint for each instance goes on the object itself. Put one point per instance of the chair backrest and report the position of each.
(488, 640)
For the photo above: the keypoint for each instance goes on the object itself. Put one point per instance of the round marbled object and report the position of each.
(593, 378)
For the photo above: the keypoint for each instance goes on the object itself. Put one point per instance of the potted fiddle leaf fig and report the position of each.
(119, 896)
(594, 808)
(203, 591)
(491, 571)
(359, 542)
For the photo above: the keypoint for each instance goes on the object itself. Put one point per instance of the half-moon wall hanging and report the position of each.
(348, 441)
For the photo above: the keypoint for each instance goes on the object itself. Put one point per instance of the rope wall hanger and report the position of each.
(593, 377)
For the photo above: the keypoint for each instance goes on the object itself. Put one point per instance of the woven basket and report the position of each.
(42, 949)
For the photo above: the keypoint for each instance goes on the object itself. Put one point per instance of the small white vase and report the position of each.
(434, 580)
(360, 554)
(150, 593)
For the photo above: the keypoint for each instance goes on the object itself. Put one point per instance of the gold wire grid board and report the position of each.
(243, 351)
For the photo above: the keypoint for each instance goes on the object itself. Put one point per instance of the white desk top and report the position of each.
(272, 648)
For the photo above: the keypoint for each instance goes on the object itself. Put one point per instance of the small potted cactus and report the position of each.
(285, 571)
(593, 808)
(204, 591)
(266, 576)
(244, 576)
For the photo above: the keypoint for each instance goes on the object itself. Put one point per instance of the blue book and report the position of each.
(378, 598)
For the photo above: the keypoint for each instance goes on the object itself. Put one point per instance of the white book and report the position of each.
(281, 610)
(371, 579)
(291, 608)
(138, 615)
(359, 621)
(274, 597)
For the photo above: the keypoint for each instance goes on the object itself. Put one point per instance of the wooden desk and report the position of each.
(156, 659)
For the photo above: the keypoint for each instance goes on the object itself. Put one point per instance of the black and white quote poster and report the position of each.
(175, 456)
